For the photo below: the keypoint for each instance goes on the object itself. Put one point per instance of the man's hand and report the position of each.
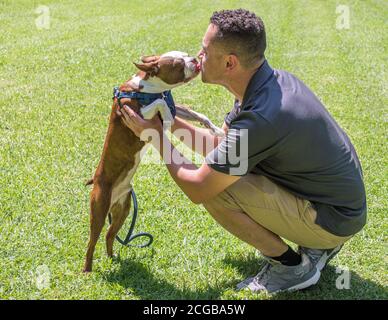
(137, 124)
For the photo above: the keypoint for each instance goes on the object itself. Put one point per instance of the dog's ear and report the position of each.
(151, 68)
(146, 59)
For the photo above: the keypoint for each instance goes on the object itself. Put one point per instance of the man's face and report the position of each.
(211, 57)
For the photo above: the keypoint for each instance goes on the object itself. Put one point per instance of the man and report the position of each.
(298, 177)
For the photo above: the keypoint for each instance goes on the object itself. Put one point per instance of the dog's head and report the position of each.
(161, 73)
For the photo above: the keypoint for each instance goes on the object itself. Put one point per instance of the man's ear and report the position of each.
(151, 68)
(146, 59)
(231, 62)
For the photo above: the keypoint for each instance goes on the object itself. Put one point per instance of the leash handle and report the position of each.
(130, 237)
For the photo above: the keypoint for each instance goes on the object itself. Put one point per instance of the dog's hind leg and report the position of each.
(99, 206)
(119, 212)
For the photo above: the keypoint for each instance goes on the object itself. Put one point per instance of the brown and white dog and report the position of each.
(121, 153)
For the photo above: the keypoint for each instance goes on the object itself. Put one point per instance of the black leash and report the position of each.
(144, 99)
(130, 237)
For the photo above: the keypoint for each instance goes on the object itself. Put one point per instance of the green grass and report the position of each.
(55, 94)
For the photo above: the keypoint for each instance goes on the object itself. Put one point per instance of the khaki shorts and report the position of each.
(279, 211)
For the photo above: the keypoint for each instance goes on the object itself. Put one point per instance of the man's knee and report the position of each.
(222, 201)
(212, 205)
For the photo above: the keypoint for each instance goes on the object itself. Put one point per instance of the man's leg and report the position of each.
(259, 212)
(274, 276)
(246, 229)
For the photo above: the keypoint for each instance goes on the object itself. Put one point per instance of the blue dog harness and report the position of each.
(145, 98)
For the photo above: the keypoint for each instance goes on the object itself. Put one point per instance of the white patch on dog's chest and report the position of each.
(123, 184)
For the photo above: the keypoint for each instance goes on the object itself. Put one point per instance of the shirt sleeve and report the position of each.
(250, 140)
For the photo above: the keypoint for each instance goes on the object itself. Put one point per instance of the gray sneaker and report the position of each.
(275, 277)
(320, 258)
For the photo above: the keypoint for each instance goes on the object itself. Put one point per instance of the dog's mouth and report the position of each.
(197, 66)
(192, 69)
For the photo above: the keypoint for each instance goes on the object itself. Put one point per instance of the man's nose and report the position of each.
(200, 54)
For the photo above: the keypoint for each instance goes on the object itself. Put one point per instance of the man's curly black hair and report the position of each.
(242, 33)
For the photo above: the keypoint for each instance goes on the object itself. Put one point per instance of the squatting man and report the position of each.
(298, 179)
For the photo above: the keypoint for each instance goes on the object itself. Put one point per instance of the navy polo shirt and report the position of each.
(282, 131)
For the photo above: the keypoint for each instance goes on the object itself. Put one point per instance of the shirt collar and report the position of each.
(258, 79)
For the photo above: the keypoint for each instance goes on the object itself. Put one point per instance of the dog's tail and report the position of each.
(89, 182)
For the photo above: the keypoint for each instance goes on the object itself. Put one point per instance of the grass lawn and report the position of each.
(55, 94)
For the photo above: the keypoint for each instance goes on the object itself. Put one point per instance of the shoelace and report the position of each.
(263, 276)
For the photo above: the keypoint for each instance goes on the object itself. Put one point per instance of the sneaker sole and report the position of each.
(324, 260)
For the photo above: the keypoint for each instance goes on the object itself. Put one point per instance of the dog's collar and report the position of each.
(146, 98)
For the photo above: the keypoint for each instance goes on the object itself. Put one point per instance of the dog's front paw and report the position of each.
(217, 132)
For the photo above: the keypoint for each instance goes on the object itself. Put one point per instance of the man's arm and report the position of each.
(199, 184)
(200, 140)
